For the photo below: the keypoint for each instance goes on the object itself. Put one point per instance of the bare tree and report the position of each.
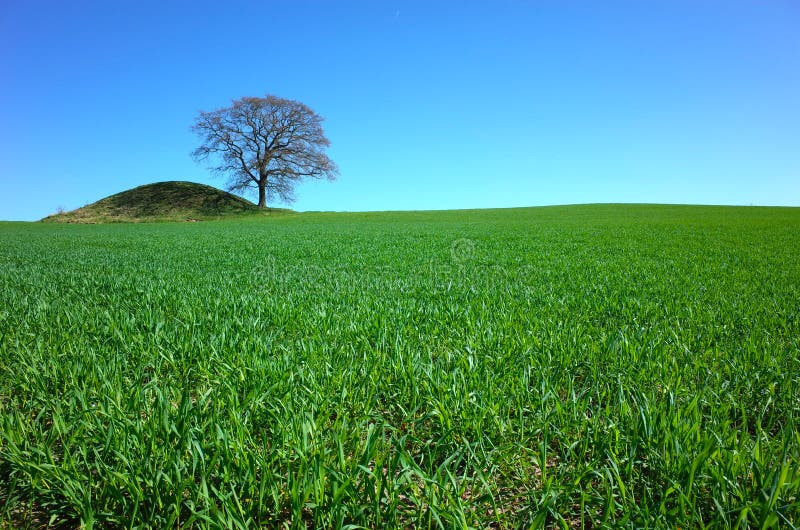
(268, 144)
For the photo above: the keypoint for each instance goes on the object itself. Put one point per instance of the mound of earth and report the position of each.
(162, 201)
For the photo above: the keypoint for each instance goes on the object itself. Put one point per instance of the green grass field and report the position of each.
(562, 367)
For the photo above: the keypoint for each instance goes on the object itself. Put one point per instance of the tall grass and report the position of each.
(574, 367)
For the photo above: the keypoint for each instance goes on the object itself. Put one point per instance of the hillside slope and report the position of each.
(161, 201)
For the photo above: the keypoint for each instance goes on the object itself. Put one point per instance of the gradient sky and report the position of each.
(428, 105)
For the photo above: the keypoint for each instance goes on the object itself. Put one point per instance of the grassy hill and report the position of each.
(162, 201)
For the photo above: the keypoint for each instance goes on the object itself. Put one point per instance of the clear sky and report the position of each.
(428, 105)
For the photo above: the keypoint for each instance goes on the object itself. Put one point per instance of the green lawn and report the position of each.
(577, 367)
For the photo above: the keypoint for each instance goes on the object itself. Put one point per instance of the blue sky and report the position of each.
(428, 105)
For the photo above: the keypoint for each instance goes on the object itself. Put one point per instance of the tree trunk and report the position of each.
(262, 195)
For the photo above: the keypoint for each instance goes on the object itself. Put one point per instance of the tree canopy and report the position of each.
(264, 144)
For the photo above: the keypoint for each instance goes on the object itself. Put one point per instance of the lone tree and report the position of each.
(269, 144)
